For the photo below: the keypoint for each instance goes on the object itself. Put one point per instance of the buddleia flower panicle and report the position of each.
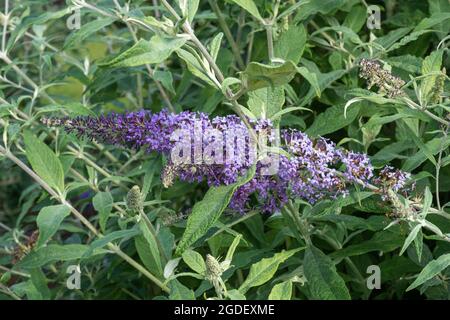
(316, 169)
(372, 71)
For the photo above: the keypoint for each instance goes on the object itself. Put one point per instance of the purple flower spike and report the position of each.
(220, 150)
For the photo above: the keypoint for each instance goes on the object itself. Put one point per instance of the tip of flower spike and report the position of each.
(56, 122)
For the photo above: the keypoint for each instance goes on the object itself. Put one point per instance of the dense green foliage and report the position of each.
(67, 201)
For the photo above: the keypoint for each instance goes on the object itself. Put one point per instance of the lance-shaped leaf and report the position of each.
(48, 221)
(323, 280)
(431, 269)
(156, 50)
(56, 253)
(44, 161)
(206, 212)
(86, 30)
(263, 271)
(250, 7)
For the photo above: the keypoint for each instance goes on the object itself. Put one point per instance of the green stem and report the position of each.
(227, 32)
(269, 33)
(300, 223)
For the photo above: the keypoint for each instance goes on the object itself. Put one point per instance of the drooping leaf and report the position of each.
(411, 237)
(48, 221)
(431, 270)
(264, 270)
(206, 212)
(154, 51)
(44, 161)
(103, 202)
(194, 66)
(148, 250)
(55, 253)
(86, 30)
(384, 241)
(110, 237)
(323, 280)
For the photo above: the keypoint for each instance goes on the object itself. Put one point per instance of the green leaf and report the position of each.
(194, 66)
(430, 22)
(431, 148)
(356, 18)
(40, 283)
(48, 221)
(166, 79)
(250, 7)
(392, 37)
(311, 78)
(206, 212)
(103, 202)
(432, 269)
(54, 253)
(188, 8)
(323, 280)
(235, 295)
(215, 45)
(314, 6)
(332, 120)
(404, 41)
(179, 291)
(411, 237)
(264, 270)
(439, 6)
(86, 30)
(44, 161)
(73, 108)
(258, 75)
(35, 20)
(281, 291)
(427, 201)
(233, 247)
(430, 64)
(384, 241)
(154, 51)
(110, 237)
(291, 44)
(194, 260)
(148, 250)
(324, 81)
(423, 147)
(266, 102)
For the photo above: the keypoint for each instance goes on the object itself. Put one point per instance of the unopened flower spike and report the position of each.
(134, 200)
